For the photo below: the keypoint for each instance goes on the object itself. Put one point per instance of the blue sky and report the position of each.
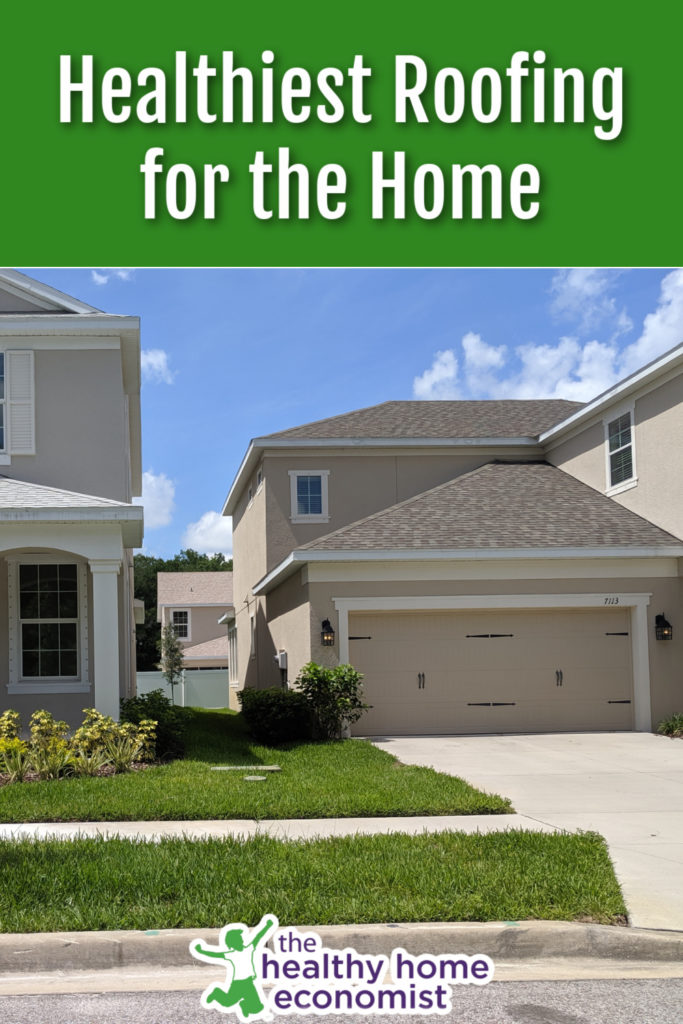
(233, 354)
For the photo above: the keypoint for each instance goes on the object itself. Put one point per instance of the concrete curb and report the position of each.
(524, 940)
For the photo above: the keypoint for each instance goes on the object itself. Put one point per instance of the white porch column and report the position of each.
(105, 614)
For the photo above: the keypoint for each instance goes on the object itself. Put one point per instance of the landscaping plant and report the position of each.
(334, 696)
(672, 726)
(275, 715)
(51, 753)
(171, 721)
(171, 658)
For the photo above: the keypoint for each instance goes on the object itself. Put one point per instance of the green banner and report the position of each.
(385, 134)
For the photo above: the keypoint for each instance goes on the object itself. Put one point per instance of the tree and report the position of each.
(171, 659)
(148, 636)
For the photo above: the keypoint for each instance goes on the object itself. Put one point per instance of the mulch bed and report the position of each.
(107, 770)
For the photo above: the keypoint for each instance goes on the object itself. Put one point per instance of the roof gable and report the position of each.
(20, 293)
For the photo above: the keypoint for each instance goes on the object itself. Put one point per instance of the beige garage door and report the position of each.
(493, 671)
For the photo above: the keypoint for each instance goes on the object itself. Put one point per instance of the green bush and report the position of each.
(14, 755)
(171, 721)
(334, 696)
(276, 716)
(672, 726)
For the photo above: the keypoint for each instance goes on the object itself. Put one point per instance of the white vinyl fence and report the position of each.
(201, 688)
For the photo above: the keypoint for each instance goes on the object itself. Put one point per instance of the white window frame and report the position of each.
(18, 404)
(47, 684)
(625, 485)
(232, 654)
(186, 611)
(252, 636)
(318, 517)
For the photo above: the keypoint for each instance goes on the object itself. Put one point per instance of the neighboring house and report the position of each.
(70, 464)
(490, 566)
(196, 604)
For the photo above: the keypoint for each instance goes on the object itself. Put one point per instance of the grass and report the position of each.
(318, 780)
(94, 884)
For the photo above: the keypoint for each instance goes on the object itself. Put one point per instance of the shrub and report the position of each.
(90, 763)
(9, 725)
(52, 757)
(672, 726)
(334, 696)
(14, 759)
(276, 716)
(44, 729)
(171, 721)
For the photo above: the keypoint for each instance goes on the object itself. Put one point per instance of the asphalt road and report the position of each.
(559, 1002)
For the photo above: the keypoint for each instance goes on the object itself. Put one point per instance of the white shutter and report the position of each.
(20, 403)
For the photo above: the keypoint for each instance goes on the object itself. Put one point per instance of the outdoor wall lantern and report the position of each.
(327, 634)
(663, 630)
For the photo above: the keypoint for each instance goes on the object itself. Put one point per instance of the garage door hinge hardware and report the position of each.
(491, 704)
(360, 638)
(618, 701)
(486, 636)
(616, 634)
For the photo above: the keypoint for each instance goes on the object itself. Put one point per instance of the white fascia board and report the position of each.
(619, 392)
(42, 294)
(298, 558)
(94, 324)
(129, 518)
(294, 444)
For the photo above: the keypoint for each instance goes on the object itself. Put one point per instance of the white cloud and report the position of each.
(102, 277)
(158, 494)
(581, 295)
(440, 380)
(661, 330)
(154, 366)
(481, 362)
(211, 534)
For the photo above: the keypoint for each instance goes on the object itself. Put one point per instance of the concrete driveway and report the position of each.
(626, 786)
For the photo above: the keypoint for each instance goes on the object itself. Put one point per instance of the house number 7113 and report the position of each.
(611, 600)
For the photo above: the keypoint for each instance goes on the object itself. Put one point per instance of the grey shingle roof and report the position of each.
(501, 505)
(508, 418)
(192, 588)
(18, 494)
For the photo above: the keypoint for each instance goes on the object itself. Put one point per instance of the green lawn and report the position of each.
(93, 884)
(318, 780)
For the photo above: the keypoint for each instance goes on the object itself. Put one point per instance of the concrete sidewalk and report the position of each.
(626, 786)
(298, 828)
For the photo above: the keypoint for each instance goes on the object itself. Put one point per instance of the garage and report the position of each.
(494, 671)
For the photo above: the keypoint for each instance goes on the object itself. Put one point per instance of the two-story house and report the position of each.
(196, 605)
(70, 466)
(490, 566)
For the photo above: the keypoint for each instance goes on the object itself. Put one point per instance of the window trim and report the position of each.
(171, 613)
(52, 684)
(624, 485)
(318, 517)
(233, 677)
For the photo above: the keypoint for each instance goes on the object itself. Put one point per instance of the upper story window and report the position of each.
(621, 464)
(17, 404)
(309, 495)
(180, 620)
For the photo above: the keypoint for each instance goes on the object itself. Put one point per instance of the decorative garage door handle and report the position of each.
(559, 677)
(420, 680)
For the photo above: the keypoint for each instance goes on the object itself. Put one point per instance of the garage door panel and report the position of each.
(494, 683)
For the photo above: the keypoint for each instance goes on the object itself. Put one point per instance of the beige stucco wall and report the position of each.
(81, 424)
(249, 566)
(658, 420)
(203, 622)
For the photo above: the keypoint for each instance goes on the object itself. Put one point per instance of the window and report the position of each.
(180, 620)
(232, 654)
(259, 478)
(620, 454)
(250, 495)
(309, 494)
(2, 401)
(48, 621)
(17, 404)
(252, 636)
